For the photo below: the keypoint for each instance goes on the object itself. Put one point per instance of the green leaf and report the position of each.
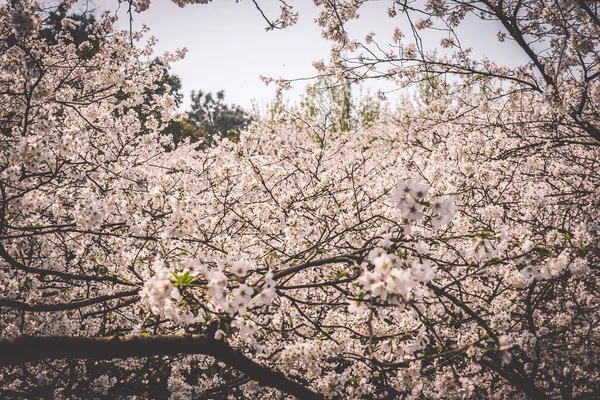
(182, 280)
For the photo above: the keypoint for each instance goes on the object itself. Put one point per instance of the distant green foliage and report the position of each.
(181, 129)
(345, 112)
(171, 84)
(84, 21)
(213, 118)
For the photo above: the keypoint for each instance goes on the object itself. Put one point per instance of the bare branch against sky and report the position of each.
(229, 47)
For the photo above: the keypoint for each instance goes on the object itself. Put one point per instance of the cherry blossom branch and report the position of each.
(271, 24)
(315, 263)
(65, 275)
(441, 292)
(28, 349)
(589, 12)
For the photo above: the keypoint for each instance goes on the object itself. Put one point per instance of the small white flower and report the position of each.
(269, 281)
(400, 281)
(419, 190)
(193, 267)
(175, 295)
(422, 272)
(411, 210)
(379, 290)
(443, 209)
(422, 248)
(239, 268)
(383, 264)
(530, 273)
(357, 307)
(376, 252)
(368, 279)
(503, 347)
(219, 334)
(265, 297)
(385, 243)
(241, 298)
(404, 187)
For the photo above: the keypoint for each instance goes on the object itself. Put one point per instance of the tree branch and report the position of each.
(34, 348)
(530, 389)
(586, 126)
(65, 306)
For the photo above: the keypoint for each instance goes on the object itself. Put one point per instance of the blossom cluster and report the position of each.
(410, 197)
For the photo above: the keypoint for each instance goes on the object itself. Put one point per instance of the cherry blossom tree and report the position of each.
(558, 38)
(443, 250)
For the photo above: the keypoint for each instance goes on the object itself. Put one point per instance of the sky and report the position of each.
(229, 48)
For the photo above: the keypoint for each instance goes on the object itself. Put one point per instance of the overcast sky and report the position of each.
(228, 47)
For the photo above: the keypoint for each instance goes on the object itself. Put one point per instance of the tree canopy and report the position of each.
(446, 248)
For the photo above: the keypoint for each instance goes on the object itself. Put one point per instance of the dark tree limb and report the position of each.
(525, 386)
(585, 125)
(441, 292)
(35, 348)
(315, 263)
(65, 306)
(521, 383)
